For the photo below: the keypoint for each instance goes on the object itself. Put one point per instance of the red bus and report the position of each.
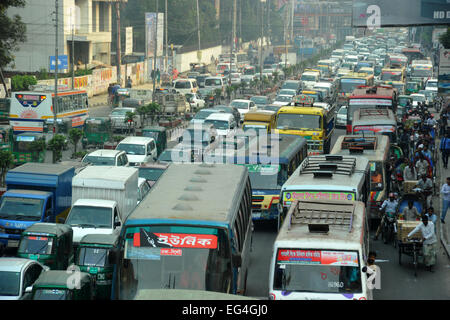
(370, 97)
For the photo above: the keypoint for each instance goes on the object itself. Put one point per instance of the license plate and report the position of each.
(13, 243)
(256, 215)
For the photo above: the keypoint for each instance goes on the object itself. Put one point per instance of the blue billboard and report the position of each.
(62, 62)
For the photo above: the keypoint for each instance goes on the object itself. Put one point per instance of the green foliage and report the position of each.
(6, 162)
(36, 147)
(57, 144)
(82, 72)
(79, 154)
(43, 74)
(118, 138)
(12, 31)
(19, 83)
(445, 39)
(75, 135)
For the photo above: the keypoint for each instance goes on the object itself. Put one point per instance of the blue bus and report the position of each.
(192, 231)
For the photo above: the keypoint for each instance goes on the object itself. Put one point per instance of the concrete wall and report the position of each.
(183, 60)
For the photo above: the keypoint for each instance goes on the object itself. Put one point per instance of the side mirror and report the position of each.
(236, 259)
(29, 289)
(61, 220)
(113, 256)
(117, 224)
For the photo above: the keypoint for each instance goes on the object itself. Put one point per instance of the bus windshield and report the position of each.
(174, 257)
(52, 294)
(348, 85)
(265, 176)
(93, 257)
(293, 121)
(421, 72)
(304, 271)
(391, 76)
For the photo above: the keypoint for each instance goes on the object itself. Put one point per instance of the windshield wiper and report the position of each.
(103, 226)
(84, 225)
(5, 216)
(27, 216)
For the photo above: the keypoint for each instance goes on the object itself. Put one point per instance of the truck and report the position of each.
(172, 103)
(102, 199)
(35, 192)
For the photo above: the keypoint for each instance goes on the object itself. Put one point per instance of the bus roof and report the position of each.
(373, 116)
(259, 115)
(345, 173)
(343, 232)
(372, 147)
(382, 92)
(199, 192)
(302, 110)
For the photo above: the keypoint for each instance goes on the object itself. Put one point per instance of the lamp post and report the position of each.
(261, 47)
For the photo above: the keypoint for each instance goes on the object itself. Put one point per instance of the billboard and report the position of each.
(444, 72)
(128, 40)
(62, 63)
(387, 13)
(150, 30)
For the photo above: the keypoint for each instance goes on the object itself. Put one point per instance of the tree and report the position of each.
(12, 32)
(6, 162)
(129, 119)
(36, 147)
(75, 135)
(445, 39)
(152, 110)
(56, 144)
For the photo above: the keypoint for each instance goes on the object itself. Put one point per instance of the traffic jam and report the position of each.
(337, 162)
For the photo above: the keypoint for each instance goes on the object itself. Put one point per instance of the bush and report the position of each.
(19, 82)
(82, 72)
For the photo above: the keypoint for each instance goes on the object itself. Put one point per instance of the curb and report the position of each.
(442, 229)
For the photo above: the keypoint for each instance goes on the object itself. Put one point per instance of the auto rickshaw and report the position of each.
(159, 134)
(62, 285)
(412, 87)
(48, 243)
(97, 131)
(92, 258)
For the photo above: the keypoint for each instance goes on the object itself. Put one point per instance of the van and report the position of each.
(223, 122)
(139, 150)
(214, 83)
(260, 120)
(185, 85)
(309, 79)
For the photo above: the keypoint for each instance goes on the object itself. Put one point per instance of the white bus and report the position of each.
(31, 110)
(321, 252)
(326, 177)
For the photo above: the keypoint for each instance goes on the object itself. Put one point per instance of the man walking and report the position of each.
(445, 192)
(444, 146)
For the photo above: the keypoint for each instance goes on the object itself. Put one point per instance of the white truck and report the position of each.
(102, 199)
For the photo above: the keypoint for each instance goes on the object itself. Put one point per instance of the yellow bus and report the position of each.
(351, 81)
(316, 124)
(397, 74)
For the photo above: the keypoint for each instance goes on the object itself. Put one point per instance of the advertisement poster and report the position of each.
(288, 197)
(150, 30)
(335, 258)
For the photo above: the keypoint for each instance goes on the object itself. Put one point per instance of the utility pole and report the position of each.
(198, 32)
(233, 48)
(166, 36)
(55, 99)
(261, 48)
(269, 32)
(240, 22)
(118, 58)
(73, 59)
(155, 51)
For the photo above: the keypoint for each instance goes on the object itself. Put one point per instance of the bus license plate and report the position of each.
(13, 243)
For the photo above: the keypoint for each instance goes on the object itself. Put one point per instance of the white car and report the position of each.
(139, 150)
(341, 117)
(235, 78)
(432, 85)
(287, 92)
(106, 157)
(243, 106)
(17, 274)
(418, 97)
(195, 101)
(282, 100)
(223, 122)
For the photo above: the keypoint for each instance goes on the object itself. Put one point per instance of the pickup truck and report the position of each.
(102, 199)
(35, 192)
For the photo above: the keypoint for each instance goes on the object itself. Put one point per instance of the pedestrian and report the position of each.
(429, 243)
(409, 173)
(158, 76)
(129, 82)
(422, 165)
(410, 212)
(445, 192)
(444, 146)
(427, 188)
(432, 217)
(110, 93)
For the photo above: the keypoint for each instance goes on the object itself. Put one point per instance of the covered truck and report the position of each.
(35, 192)
(102, 199)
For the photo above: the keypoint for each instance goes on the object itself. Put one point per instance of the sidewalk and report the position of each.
(102, 99)
(444, 228)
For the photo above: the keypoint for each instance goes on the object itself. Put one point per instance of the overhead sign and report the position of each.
(62, 62)
(128, 40)
(374, 14)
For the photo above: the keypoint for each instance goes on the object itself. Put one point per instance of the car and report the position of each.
(341, 117)
(229, 109)
(201, 115)
(138, 149)
(287, 92)
(282, 100)
(152, 171)
(235, 78)
(106, 157)
(143, 189)
(223, 122)
(432, 85)
(260, 100)
(195, 101)
(292, 84)
(118, 116)
(243, 106)
(201, 79)
(270, 107)
(16, 275)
